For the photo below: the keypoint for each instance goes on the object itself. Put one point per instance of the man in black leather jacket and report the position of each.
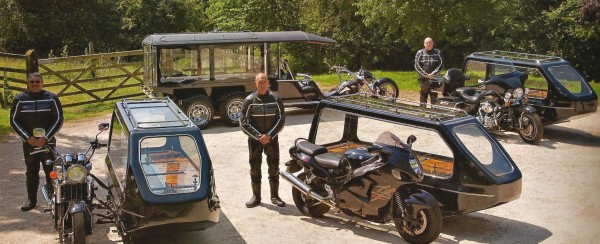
(428, 63)
(262, 118)
(36, 116)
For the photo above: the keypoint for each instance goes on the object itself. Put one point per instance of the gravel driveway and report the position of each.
(560, 202)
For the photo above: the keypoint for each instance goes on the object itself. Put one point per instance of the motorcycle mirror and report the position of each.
(49, 162)
(411, 139)
(103, 126)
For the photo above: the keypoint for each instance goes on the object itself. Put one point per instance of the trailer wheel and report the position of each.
(231, 108)
(200, 110)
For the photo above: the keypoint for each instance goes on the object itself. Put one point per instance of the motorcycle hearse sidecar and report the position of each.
(160, 176)
(556, 90)
(465, 168)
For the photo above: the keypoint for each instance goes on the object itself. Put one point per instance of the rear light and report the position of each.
(305, 158)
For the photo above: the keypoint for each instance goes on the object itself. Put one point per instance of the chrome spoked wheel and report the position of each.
(234, 109)
(200, 110)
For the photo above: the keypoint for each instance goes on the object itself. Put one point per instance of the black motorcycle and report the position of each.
(70, 198)
(377, 184)
(499, 103)
(384, 88)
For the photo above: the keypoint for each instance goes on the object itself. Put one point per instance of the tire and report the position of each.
(231, 107)
(200, 110)
(425, 229)
(387, 89)
(78, 227)
(308, 206)
(533, 130)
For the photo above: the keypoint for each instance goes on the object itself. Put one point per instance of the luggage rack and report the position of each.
(401, 106)
(173, 117)
(537, 58)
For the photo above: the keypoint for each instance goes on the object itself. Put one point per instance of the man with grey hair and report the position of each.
(36, 116)
(428, 63)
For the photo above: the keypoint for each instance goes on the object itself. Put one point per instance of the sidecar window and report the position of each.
(537, 84)
(570, 79)
(117, 151)
(483, 149)
(170, 164)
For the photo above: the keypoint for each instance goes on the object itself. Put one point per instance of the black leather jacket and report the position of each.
(41, 110)
(262, 115)
(427, 62)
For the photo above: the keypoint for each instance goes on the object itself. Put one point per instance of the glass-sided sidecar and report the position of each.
(160, 176)
(466, 169)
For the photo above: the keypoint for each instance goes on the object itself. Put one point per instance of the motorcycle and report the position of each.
(384, 88)
(377, 184)
(72, 192)
(499, 103)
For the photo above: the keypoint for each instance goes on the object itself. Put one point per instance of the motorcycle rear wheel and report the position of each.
(533, 130)
(307, 205)
(387, 89)
(78, 227)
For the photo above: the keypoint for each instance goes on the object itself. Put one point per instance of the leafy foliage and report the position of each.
(376, 34)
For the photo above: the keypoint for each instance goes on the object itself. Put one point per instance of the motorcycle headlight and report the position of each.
(507, 95)
(76, 174)
(518, 93)
(526, 91)
(416, 166)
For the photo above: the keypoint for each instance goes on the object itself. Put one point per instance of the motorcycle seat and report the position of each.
(469, 94)
(310, 149)
(328, 160)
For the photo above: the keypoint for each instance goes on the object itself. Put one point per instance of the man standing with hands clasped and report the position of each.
(428, 63)
(36, 116)
(262, 118)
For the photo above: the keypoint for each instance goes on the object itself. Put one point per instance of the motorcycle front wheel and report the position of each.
(425, 228)
(78, 227)
(532, 129)
(387, 89)
(306, 204)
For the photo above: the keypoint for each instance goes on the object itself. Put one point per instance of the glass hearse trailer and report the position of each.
(210, 73)
(160, 176)
(556, 90)
(465, 168)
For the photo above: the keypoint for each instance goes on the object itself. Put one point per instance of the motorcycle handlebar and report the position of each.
(44, 149)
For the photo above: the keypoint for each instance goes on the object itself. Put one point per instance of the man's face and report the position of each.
(35, 84)
(262, 84)
(428, 43)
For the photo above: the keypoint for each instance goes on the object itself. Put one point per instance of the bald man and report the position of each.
(428, 63)
(262, 119)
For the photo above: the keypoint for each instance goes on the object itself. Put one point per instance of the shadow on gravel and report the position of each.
(474, 227)
(554, 134)
(485, 228)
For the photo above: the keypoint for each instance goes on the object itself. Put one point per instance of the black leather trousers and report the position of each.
(272, 151)
(32, 162)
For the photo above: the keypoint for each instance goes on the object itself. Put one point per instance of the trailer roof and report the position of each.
(174, 39)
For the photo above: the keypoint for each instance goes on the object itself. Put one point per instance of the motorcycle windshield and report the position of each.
(570, 80)
(484, 150)
(389, 139)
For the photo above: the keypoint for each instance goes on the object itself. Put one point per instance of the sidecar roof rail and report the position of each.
(401, 106)
(154, 113)
(523, 57)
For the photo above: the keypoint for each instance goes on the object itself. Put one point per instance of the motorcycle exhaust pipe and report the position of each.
(304, 188)
(46, 194)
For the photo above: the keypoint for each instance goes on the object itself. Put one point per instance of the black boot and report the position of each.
(29, 205)
(255, 200)
(275, 193)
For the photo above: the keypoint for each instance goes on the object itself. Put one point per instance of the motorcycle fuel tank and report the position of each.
(356, 156)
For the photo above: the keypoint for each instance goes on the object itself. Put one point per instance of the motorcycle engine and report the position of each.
(486, 114)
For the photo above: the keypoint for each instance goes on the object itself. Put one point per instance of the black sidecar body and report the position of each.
(160, 176)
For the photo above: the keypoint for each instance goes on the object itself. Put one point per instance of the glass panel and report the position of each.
(331, 127)
(433, 153)
(177, 64)
(147, 65)
(117, 151)
(148, 117)
(480, 146)
(171, 164)
(237, 62)
(570, 79)
(476, 71)
(537, 84)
